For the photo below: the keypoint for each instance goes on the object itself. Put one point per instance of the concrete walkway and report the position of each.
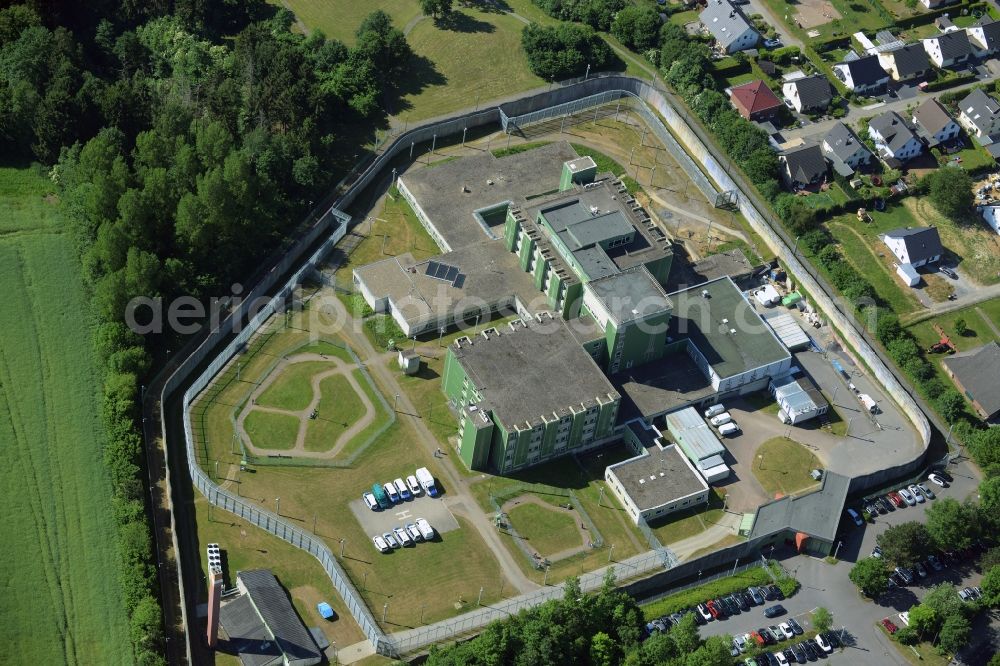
(944, 307)
(728, 525)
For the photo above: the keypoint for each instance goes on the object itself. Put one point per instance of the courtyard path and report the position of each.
(528, 498)
(728, 525)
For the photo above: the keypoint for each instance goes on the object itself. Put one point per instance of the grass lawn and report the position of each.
(62, 602)
(978, 333)
(684, 524)
(268, 430)
(339, 408)
(972, 157)
(783, 466)
(549, 482)
(547, 531)
(292, 388)
(392, 231)
(976, 246)
(339, 19)
(481, 59)
(685, 17)
(899, 9)
(921, 654)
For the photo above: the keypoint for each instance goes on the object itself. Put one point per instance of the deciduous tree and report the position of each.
(871, 575)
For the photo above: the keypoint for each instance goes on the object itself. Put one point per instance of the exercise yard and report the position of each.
(552, 532)
(316, 493)
(310, 403)
(782, 467)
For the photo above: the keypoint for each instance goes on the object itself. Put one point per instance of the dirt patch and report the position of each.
(813, 13)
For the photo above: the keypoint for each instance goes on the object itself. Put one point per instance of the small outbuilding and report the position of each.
(409, 361)
(798, 400)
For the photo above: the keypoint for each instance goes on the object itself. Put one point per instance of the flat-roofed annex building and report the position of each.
(526, 393)
(657, 483)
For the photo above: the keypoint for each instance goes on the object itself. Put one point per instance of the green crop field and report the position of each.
(61, 602)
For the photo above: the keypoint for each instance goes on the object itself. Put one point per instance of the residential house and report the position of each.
(948, 48)
(809, 93)
(864, 76)
(976, 373)
(906, 63)
(985, 37)
(803, 166)
(755, 101)
(845, 150)
(894, 139)
(979, 114)
(916, 246)
(934, 123)
(730, 27)
(991, 213)
(934, 4)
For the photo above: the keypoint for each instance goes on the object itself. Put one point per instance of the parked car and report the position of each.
(370, 501)
(727, 429)
(721, 419)
(776, 633)
(403, 491)
(886, 504)
(926, 491)
(755, 594)
(775, 592)
(889, 626)
(947, 271)
(414, 533)
(920, 570)
(904, 617)
(896, 500)
(822, 643)
(704, 613)
(795, 626)
(757, 638)
(774, 611)
(414, 486)
(907, 497)
(772, 43)
(389, 539)
(831, 638)
(741, 642)
(937, 479)
(381, 544)
(905, 575)
(876, 552)
(800, 654)
(812, 652)
(786, 630)
(854, 516)
(965, 594)
(743, 604)
(402, 536)
(390, 490)
(917, 495)
(782, 659)
(714, 410)
(789, 655)
(425, 528)
(713, 611)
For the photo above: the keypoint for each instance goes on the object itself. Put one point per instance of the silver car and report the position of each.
(917, 495)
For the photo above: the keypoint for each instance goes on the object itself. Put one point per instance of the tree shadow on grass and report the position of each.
(421, 74)
(461, 22)
(488, 6)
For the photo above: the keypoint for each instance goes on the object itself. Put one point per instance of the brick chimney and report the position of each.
(214, 599)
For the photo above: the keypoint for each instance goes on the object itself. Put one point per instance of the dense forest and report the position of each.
(187, 140)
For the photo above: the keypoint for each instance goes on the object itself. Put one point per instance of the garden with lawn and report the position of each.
(782, 467)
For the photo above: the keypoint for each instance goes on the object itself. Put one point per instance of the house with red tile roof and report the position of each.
(755, 101)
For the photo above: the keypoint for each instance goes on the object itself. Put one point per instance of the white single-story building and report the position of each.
(798, 399)
(657, 483)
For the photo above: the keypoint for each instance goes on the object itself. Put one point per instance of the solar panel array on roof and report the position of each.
(431, 269)
(459, 281)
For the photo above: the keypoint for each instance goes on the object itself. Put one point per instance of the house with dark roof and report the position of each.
(976, 373)
(730, 27)
(985, 37)
(934, 124)
(809, 93)
(803, 166)
(894, 139)
(755, 101)
(846, 152)
(979, 114)
(916, 246)
(906, 63)
(263, 626)
(864, 76)
(948, 48)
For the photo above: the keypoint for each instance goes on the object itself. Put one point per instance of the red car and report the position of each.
(896, 500)
(889, 626)
(757, 637)
(712, 609)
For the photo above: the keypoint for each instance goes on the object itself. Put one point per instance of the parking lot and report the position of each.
(378, 522)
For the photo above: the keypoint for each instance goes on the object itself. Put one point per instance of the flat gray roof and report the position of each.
(660, 386)
(486, 180)
(491, 275)
(630, 295)
(659, 477)
(532, 372)
(693, 434)
(708, 313)
(816, 513)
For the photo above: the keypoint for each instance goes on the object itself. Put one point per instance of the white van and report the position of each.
(722, 418)
(728, 429)
(714, 409)
(868, 403)
(425, 529)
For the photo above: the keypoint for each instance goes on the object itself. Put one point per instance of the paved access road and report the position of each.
(828, 586)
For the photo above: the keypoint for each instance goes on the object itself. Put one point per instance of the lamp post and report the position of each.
(440, 335)
(545, 578)
(394, 401)
(611, 552)
(760, 461)
(385, 610)
(735, 564)
(277, 505)
(364, 581)
(343, 542)
(479, 601)
(837, 549)
(600, 497)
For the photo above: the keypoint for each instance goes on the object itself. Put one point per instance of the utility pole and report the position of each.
(600, 497)
(479, 601)
(385, 610)
(394, 401)
(422, 606)
(464, 130)
(216, 470)
(314, 526)
(364, 582)
(545, 579)
(611, 552)
(735, 564)
(343, 542)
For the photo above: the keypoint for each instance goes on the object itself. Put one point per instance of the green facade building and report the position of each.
(527, 393)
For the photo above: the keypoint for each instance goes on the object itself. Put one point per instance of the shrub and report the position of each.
(565, 50)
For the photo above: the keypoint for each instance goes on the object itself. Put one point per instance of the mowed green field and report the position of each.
(339, 19)
(60, 602)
